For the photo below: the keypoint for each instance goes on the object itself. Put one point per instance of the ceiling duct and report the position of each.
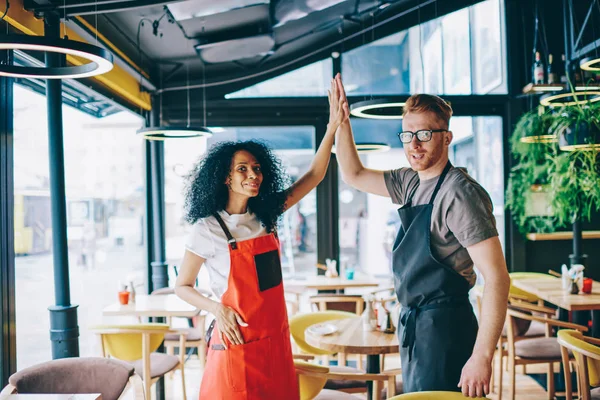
(235, 49)
(189, 9)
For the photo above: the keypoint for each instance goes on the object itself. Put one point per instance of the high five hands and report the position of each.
(338, 104)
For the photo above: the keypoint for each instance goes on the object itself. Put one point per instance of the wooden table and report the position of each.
(321, 282)
(550, 289)
(152, 306)
(95, 396)
(352, 339)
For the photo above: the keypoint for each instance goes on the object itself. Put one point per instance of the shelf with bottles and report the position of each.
(551, 78)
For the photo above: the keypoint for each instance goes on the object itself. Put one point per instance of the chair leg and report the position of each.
(551, 389)
(171, 352)
(202, 354)
(511, 373)
(391, 386)
(500, 373)
(183, 381)
(376, 390)
(382, 364)
(341, 359)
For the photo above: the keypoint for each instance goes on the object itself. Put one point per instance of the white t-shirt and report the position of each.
(208, 241)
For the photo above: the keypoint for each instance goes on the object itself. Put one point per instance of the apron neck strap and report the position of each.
(230, 238)
(440, 181)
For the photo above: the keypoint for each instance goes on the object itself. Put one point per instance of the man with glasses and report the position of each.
(447, 228)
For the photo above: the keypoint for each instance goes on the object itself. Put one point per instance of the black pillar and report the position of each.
(8, 359)
(64, 331)
(160, 276)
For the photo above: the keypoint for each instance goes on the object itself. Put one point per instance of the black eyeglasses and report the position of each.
(423, 135)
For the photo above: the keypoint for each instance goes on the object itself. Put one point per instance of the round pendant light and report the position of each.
(590, 64)
(99, 60)
(539, 139)
(369, 148)
(570, 99)
(378, 109)
(174, 132)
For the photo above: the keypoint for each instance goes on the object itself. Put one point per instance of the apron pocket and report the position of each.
(268, 269)
(250, 365)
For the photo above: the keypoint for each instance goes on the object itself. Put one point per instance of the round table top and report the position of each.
(352, 339)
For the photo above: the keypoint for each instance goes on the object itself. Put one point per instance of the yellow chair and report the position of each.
(587, 358)
(312, 378)
(524, 351)
(431, 396)
(137, 344)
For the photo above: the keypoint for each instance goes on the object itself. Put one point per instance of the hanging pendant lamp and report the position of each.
(570, 98)
(179, 131)
(378, 109)
(99, 60)
(369, 148)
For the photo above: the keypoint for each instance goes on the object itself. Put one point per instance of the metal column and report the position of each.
(64, 331)
(8, 359)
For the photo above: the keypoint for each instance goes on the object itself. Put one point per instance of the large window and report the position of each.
(460, 53)
(295, 147)
(368, 223)
(105, 205)
(311, 80)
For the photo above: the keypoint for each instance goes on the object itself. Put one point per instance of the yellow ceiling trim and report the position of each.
(117, 80)
(113, 48)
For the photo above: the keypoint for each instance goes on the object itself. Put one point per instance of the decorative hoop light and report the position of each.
(100, 60)
(539, 139)
(369, 148)
(589, 64)
(378, 109)
(174, 132)
(551, 100)
(582, 137)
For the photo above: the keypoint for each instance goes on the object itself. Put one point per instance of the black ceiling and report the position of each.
(286, 34)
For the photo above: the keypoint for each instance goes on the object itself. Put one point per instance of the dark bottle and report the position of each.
(552, 72)
(538, 70)
(563, 71)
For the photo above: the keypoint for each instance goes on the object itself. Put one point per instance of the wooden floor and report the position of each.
(527, 388)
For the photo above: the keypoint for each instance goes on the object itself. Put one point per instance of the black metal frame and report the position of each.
(8, 347)
(575, 51)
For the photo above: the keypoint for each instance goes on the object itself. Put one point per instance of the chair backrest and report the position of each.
(76, 376)
(583, 351)
(299, 323)
(311, 379)
(431, 396)
(339, 302)
(125, 342)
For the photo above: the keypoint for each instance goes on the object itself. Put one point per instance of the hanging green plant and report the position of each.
(575, 172)
(554, 181)
(526, 196)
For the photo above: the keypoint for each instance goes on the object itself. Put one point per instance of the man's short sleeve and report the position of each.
(470, 215)
(397, 181)
(200, 240)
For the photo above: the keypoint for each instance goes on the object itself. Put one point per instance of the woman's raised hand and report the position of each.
(338, 105)
(229, 322)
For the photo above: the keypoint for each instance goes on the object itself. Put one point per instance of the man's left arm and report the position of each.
(488, 258)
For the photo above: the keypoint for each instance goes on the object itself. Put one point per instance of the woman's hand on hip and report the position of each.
(229, 322)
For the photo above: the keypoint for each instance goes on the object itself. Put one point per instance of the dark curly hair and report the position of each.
(206, 192)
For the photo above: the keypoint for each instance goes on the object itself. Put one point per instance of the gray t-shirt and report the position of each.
(462, 213)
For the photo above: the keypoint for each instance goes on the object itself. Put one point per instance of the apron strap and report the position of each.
(440, 181)
(232, 242)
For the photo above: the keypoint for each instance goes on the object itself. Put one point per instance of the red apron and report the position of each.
(263, 367)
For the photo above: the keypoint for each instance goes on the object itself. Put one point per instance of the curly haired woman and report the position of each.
(234, 199)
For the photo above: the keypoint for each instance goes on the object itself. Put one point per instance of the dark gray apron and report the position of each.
(437, 324)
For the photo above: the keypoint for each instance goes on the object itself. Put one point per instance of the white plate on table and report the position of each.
(323, 329)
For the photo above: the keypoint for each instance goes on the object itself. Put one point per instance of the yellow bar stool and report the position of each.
(431, 396)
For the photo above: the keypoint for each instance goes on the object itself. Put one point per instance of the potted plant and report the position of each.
(527, 193)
